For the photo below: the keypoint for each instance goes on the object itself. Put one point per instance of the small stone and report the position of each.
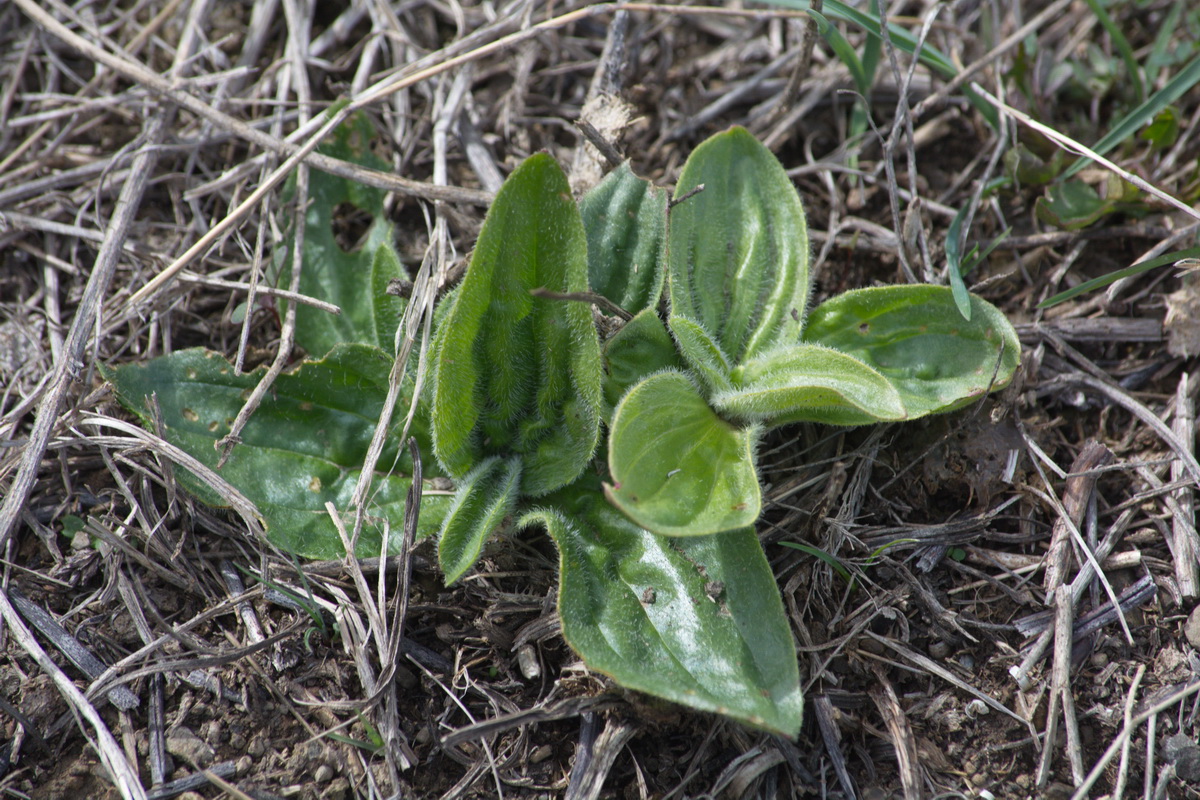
(1182, 751)
(257, 747)
(1099, 660)
(324, 774)
(185, 744)
(540, 753)
(939, 650)
(1191, 628)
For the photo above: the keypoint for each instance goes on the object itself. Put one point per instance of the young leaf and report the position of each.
(640, 348)
(484, 498)
(352, 275)
(915, 336)
(737, 251)
(626, 217)
(678, 469)
(697, 621)
(304, 445)
(701, 352)
(513, 373)
(810, 383)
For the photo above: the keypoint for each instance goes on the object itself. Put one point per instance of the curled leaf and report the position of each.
(626, 218)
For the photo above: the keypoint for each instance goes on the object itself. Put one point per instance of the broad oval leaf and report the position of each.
(810, 383)
(514, 373)
(678, 469)
(917, 338)
(304, 445)
(626, 218)
(696, 621)
(484, 498)
(702, 353)
(641, 348)
(738, 250)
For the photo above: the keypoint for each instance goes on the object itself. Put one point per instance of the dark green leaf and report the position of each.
(1072, 205)
(353, 275)
(738, 250)
(697, 621)
(678, 469)
(304, 445)
(513, 373)
(625, 217)
(640, 348)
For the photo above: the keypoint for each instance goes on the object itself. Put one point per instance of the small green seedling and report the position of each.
(635, 454)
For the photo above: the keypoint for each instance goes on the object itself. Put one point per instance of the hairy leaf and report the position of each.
(738, 250)
(810, 383)
(625, 217)
(514, 373)
(917, 338)
(702, 353)
(697, 621)
(484, 498)
(641, 348)
(677, 468)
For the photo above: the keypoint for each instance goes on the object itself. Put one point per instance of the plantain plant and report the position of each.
(635, 454)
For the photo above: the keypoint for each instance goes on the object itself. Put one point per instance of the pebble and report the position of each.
(324, 774)
(183, 743)
(1191, 628)
(1184, 753)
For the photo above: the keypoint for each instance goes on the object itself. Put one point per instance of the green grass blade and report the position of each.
(906, 41)
(1128, 125)
(1113, 277)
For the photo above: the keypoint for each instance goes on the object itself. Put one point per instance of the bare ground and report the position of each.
(128, 132)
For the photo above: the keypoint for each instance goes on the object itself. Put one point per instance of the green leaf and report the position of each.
(354, 279)
(810, 383)
(484, 498)
(513, 373)
(738, 250)
(696, 621)
(678, 469)
(1027, 168)
(1163, 131)
(626, 217)
(1072, 205)
(915, 336)
(962, 298)
(641, 348)
(701, 352)
(304, 445)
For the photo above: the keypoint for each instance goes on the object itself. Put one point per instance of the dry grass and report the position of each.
(142, 148)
